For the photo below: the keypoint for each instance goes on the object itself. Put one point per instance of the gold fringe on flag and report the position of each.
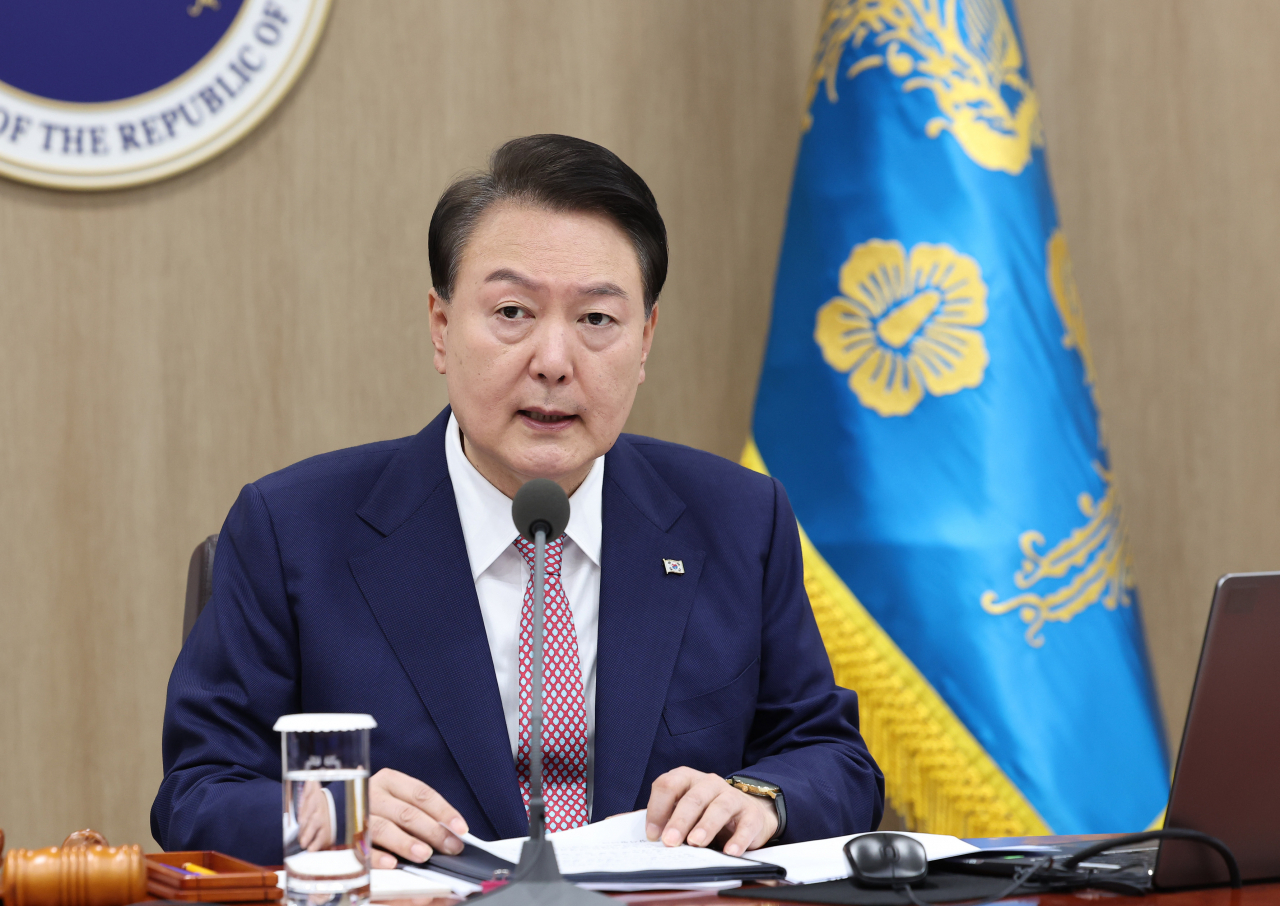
(937, 776)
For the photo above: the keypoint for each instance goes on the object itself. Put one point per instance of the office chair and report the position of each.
(199, 583)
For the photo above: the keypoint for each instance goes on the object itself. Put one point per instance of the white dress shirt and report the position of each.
(501, 574)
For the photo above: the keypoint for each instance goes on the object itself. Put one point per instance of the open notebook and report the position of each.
(615, 852)
(612, 852)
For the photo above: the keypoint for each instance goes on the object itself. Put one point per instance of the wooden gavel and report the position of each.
(83, 871)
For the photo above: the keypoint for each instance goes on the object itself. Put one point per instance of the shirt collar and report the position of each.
(485, 512)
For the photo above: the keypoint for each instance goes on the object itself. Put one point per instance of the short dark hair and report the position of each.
(559, 173)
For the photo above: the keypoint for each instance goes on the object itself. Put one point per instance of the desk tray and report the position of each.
(237, 881)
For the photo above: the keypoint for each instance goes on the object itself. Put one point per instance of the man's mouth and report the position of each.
(547, 418)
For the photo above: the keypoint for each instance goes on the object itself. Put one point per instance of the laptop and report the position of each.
(1227, 781)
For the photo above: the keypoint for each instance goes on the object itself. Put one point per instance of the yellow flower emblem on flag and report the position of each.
(905, 324)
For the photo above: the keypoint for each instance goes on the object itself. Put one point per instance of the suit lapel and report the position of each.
(419, 586)
(643, 612)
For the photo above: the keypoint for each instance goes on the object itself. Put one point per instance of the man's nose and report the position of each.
(552, 359)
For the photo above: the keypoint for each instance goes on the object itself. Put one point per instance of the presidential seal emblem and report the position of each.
(107, 95)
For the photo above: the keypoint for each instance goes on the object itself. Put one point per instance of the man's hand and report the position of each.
(409, 818)
(314, 832)
(690, 806)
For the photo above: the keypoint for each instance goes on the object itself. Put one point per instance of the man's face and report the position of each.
(543, 344)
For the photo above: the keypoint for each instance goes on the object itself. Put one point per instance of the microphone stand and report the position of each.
(537, 878)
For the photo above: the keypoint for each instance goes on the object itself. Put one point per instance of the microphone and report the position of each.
(540, 511)
(540, 503)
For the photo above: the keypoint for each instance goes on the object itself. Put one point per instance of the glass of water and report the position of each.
(326, 808)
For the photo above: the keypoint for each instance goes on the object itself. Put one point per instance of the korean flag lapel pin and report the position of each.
(673, 567)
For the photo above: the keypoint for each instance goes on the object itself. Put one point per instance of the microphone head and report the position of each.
(544, 502)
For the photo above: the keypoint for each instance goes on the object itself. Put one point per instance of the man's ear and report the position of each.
(438, 311)
(646, 343)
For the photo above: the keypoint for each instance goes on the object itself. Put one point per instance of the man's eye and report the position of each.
(597, 318)
(511, 312)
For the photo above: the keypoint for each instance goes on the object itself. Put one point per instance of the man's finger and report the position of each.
(418, 823)
(311, 822)
(414, 791)
(719, 812)
(690, 808)
(750, 824)
(410, 804)
(308, 830)
(664, 795)
(305, 826)
(385, 833)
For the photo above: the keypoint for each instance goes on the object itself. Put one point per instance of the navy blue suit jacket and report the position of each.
(342, 584)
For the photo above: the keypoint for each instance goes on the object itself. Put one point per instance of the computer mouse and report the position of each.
(886, 860)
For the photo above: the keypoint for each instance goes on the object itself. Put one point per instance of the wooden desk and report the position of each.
(1259, 895)
(1249, 895)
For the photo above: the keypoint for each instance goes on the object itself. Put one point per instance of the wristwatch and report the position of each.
(765, 790)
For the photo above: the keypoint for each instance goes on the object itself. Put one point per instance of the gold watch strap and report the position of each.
(769, 792)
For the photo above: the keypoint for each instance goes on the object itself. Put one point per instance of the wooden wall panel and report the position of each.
(161, 347)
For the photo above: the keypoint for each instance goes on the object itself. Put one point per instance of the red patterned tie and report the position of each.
(564, 707)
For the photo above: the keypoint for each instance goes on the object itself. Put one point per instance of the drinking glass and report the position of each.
(325, 760)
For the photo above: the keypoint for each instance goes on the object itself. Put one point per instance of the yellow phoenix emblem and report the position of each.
(965, 52)
(1092, 564)
(1096, 558)
(905, 324)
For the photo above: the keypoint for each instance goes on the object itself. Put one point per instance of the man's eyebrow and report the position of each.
(605, 289)
(506, 275)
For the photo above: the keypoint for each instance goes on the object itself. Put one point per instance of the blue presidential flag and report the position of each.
(927, 399)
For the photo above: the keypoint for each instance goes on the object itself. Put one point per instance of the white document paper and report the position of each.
(624, 856)
(616, 844)
(625, 828)
(824, 860)
(458, 886)
(393, 883)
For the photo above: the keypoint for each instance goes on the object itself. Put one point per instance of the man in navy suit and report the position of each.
(690, 678)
